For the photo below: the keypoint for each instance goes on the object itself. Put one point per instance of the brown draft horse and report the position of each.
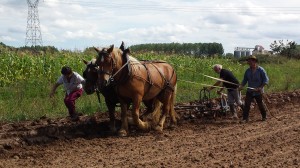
(136, 82)
(90, 75)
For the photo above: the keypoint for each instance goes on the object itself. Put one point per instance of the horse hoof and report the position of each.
(172, 126)
(147, 126)
(113, 130)
(158, 128)
(122, 133)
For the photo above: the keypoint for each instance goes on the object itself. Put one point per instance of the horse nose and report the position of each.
(106, 82)
(88, 91)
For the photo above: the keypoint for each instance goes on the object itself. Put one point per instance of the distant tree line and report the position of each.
(35, 50)
(287, 48)
(193, 49)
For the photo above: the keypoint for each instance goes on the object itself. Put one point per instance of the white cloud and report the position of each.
(86, 23)
(7, 38)
(78, 34)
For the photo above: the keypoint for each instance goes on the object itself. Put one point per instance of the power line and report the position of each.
(186, 8)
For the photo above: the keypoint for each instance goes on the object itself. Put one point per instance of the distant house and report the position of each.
(258, 49)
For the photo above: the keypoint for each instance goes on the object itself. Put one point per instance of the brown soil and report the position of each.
(194, 142)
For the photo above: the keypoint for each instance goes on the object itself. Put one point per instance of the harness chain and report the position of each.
(149, 78)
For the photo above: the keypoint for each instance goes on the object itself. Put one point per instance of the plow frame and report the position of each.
(207, 108)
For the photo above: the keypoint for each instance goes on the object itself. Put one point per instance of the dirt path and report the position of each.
(194, 143)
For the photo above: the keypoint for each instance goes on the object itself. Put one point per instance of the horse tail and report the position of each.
(173, 114)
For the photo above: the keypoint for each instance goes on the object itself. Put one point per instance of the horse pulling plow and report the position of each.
(205, 107)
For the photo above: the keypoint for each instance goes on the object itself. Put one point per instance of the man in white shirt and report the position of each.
(72, 82)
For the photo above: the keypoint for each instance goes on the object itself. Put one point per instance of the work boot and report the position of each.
(233, 111)
(235, 116)
(244, 121)
(74, 117)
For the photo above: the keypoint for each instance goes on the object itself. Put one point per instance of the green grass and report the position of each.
(25, 81)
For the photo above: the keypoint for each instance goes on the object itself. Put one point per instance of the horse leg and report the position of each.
(124, 126)
(135, 114)
(173, 114)
(153, 107)
(165, 110)
(111, 105)
(149, 107)
(168, 100)
(112, 118)
(156, 112)
(165, 98)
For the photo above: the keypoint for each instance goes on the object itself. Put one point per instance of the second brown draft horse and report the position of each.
(136, 82)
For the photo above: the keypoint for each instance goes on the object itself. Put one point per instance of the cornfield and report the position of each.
(26, 80)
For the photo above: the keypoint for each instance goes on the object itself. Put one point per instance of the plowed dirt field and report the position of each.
(193, 143)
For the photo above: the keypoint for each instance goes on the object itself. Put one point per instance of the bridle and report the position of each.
(110, 73)
(93, 81)
(102, 56)
(90, 67)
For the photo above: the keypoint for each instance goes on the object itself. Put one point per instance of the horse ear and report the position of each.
(127, 51)
(97, 49)
(122, 47)
(126, 54)
(111, 48)
(85, 61)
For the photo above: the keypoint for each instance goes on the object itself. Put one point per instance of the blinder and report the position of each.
(104, 54)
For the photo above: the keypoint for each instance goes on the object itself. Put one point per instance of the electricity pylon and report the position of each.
(33, 31)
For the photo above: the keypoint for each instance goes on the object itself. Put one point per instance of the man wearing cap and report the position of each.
(257, 78)
(231, 85)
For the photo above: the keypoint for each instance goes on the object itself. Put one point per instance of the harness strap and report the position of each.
(167, 82)
(149, 78)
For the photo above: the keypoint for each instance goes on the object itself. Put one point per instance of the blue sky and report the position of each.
(77, 24)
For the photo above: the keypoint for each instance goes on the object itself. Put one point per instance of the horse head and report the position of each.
(90, 75)
(107, 64)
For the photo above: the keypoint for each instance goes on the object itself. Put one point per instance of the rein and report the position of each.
(98, 96)
(119, 70)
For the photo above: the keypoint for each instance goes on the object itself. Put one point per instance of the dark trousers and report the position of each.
(249, 98)
(70, 100)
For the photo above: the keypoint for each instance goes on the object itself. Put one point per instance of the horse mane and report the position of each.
(133, 59)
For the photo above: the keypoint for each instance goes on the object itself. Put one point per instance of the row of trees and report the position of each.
(34, 50)
(286, 48)
(195, 49)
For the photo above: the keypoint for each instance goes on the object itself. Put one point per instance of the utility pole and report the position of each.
(33, 31)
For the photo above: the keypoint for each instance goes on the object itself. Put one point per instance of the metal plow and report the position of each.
(205, 107)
